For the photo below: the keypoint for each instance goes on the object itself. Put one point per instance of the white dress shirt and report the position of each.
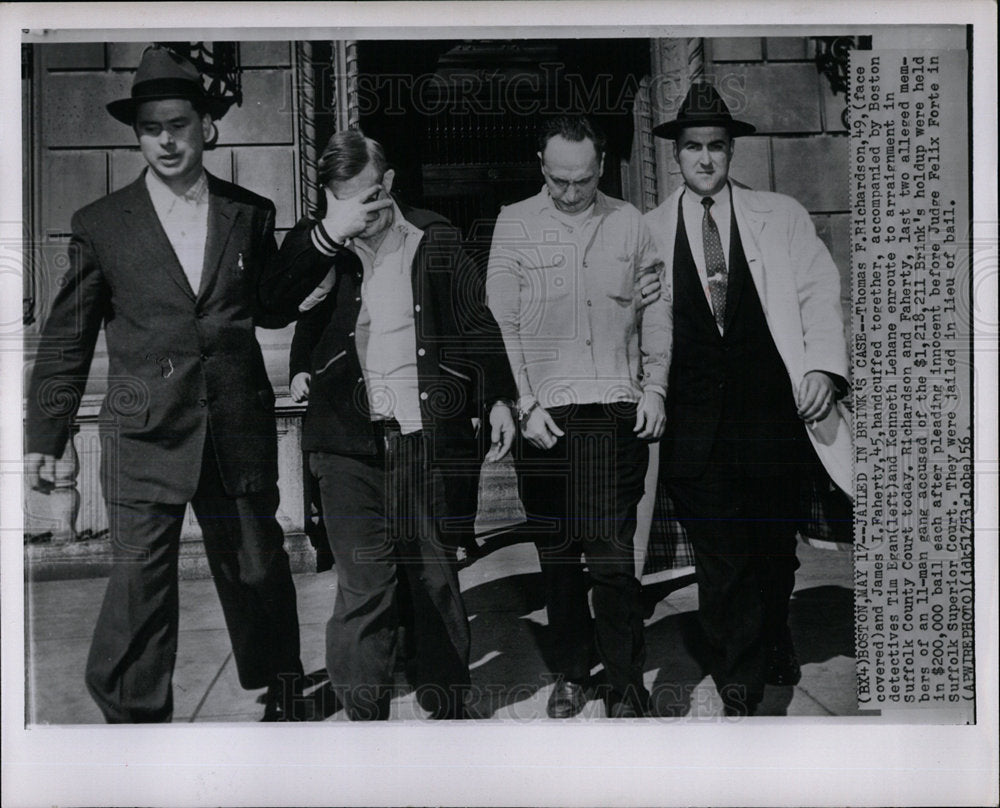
(184, 218)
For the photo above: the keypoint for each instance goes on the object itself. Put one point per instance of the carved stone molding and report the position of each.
(305, 121)
(345, 78)
(676, 63)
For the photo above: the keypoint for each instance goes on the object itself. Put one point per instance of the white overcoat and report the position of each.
(799, 289)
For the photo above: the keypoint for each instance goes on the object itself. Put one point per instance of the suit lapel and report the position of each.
(143, 223)
(222, 215)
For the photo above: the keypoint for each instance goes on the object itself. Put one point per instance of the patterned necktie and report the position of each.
(715, 262)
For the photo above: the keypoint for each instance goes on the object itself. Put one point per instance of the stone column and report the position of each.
(345, 75)
(676, 63)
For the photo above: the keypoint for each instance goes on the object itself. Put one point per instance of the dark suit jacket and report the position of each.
(462, 365)
(181, 361)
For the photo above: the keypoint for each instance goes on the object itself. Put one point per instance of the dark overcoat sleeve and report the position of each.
(308, 329)
(267, 249)
(67, 345)
(297, 270)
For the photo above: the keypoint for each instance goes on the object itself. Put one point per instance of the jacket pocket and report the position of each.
(330, 363)
(457, 373)
(620, 280)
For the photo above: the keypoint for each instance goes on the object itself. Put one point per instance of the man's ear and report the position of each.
(387, 179)
(675, 150)
(207, 129)
(600, 169)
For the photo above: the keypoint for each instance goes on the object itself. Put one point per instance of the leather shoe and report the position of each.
(566, 699)
(284, 701)
(783, 668)
(632, 705)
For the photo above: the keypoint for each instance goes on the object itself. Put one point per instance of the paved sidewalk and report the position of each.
(503, 596)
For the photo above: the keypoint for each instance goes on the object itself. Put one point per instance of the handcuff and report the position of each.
(524, 413)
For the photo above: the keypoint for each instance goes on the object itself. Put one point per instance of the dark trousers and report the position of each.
(382, 516)
(743, 530)
(132, 655)
(581, 497)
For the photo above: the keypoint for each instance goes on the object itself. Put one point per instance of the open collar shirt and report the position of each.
(184, 218)
(385, 333)
(562, 290)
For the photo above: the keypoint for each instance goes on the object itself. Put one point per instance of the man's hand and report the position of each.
(345, 218)
(40, 470)
(647, 289)
(540, 429)
(501, 432)
(299, 388)
(650, 416)
(816, 396)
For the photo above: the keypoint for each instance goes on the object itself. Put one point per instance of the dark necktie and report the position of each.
(715, 262)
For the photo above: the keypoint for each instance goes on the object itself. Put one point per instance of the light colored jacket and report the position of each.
(799, 289)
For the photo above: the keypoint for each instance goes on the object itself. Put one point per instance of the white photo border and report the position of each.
(763, 762)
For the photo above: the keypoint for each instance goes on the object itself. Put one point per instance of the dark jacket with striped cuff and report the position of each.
(462, 365)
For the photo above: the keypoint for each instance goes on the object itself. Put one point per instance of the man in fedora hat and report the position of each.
(759, 365)
(168, 265)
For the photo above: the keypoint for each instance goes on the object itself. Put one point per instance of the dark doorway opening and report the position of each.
(459, 118)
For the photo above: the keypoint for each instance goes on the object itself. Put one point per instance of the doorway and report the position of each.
(459, 118)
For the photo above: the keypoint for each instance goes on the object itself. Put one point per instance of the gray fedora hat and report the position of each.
(703, 106)
(163, 74)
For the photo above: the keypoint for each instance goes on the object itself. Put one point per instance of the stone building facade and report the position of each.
(457, 117)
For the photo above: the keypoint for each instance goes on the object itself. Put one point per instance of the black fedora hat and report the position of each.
(164, 74)
(703, 106)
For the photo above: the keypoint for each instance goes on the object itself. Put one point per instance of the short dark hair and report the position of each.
(346, 155)
(574, 128)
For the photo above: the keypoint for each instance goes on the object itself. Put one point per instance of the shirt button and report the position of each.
(588, 342)
(203, 402)
(421, 352)
(589, 303)
(351, 334)
(357, 300)
(417, 307)
(423, 396)
(360, 379)
(204, 357)
(585, 263)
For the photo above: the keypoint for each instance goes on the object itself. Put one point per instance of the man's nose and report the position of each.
(166, 138)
